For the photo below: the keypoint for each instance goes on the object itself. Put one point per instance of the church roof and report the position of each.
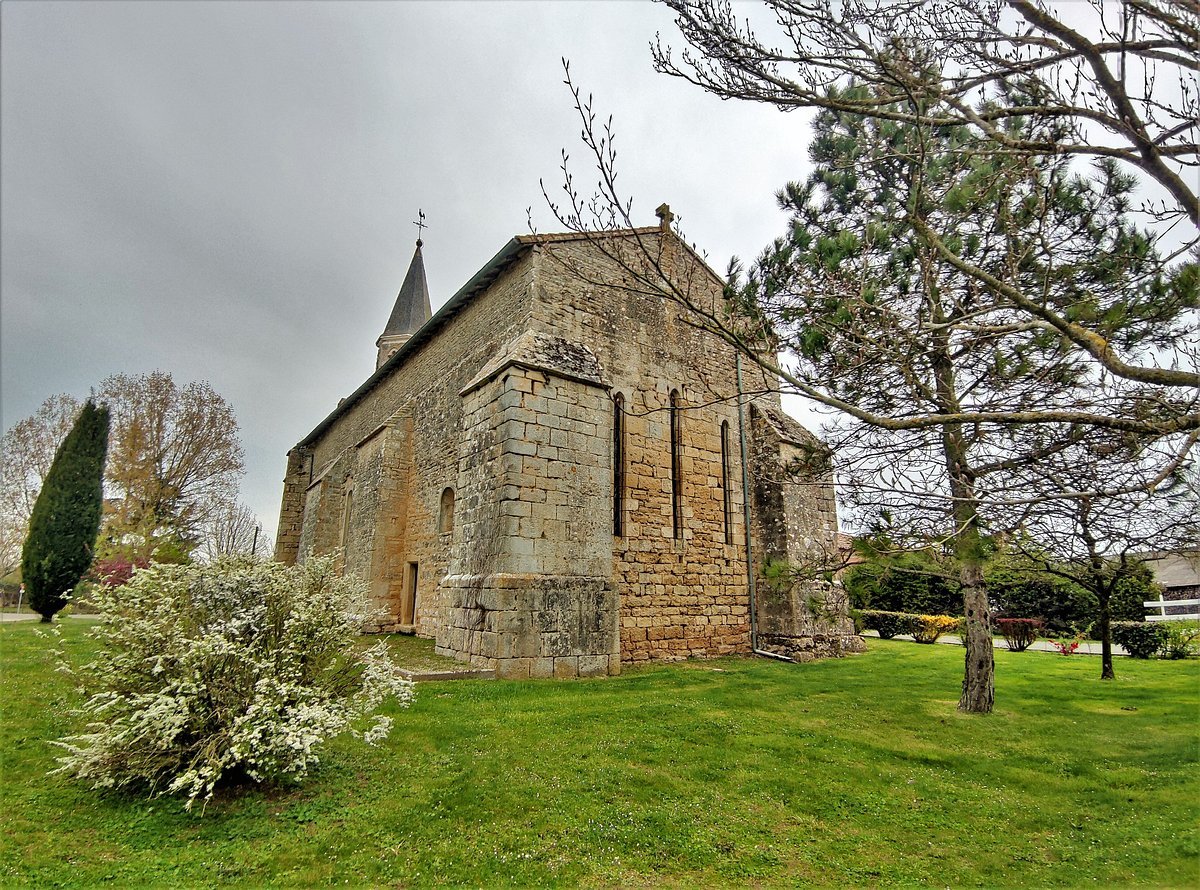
(543, 352)
(785, 426)
(479, 282)
(412, 303)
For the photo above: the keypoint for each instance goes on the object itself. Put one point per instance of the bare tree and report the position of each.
(1121, 499)
(26, 452)
(1120, 85)
(1101, 79)
(901, 296)
(174, 461)
(234, 531)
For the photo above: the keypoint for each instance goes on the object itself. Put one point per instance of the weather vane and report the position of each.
(420, 224)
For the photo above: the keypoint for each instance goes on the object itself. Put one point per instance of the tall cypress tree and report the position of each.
(66, 516)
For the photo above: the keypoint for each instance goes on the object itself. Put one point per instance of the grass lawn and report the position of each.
(854, 772)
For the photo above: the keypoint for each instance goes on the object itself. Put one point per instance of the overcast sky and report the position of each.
(225, 191)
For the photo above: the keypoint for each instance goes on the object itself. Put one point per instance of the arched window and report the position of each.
(446, 512)
(618, 462)
(726, 495)
(676, 470)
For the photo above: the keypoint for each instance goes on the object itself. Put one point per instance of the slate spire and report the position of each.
(410, 312)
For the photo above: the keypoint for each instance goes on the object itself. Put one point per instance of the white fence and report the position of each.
(1163, 605)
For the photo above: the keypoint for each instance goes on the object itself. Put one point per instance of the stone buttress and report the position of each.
(529, 591)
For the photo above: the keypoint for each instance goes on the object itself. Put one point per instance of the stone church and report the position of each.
(561, 472)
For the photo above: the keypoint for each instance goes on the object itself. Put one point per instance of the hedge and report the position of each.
(1141, 639)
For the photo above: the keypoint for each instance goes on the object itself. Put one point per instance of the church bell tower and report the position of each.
(411, 309)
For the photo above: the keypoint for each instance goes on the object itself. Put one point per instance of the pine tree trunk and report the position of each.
(978, 688)
(1106, 657)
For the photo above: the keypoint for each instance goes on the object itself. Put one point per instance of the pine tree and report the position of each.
(951, 382)
(66, 517)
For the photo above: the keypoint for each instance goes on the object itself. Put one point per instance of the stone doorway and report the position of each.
(408, 600)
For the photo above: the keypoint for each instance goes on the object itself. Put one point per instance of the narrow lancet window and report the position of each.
(618, 459)
(676, 470)
(446, 512)
(347, 521)
(726, 495)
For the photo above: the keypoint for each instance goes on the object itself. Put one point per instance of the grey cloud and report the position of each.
(225, 190)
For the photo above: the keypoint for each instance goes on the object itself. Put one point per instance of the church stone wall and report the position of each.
(795, 522)
(291, 512)
(529, 591)
(397, 449)
(679, 597)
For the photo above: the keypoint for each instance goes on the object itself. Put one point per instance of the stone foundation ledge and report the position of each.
(498, 580)
(527, 625)
(387, 627)
(811, 648)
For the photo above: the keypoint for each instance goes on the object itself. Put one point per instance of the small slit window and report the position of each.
(347, 514)
(446, 512)
(676, 470)
(618, 459)
(726, 494)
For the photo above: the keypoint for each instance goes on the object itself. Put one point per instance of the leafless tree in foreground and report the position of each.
(943, 296)
(1121, 499)
(1113, 80)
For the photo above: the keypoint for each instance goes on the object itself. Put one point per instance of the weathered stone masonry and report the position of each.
(502, 406)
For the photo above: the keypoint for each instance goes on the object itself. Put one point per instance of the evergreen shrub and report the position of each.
(907, 582)
(1141, 639)
(65, 521)
(1019, 633)
(887, 624)
(1060, 604)
(229, 672)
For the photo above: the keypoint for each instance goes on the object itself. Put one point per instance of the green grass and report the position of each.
(416, 654)
(735, 772)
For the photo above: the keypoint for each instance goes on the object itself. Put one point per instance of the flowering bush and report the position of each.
(225, 672)
(927, 628)
(116, 571)
(1019, 633)
(1065, 647)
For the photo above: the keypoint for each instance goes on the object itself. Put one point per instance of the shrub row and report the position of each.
(914, 583)
(1141, 639)
(922, 628)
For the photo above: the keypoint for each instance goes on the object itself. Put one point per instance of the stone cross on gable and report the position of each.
(665, 217)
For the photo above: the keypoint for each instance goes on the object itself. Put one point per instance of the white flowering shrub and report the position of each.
(227, 672)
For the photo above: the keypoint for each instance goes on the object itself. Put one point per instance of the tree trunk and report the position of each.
(46, 619)
(978, 688)
(1106, 658)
